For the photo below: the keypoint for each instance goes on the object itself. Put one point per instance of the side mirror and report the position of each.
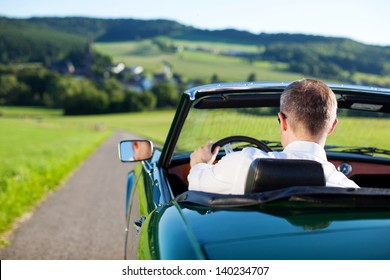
(135, 150)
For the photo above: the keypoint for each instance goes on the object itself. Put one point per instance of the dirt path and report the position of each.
(84, 219)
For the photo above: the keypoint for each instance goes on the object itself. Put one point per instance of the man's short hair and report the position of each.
(309, 103)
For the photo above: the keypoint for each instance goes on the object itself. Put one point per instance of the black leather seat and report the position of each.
(267, 174)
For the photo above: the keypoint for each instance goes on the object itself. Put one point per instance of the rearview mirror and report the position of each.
(135, 150)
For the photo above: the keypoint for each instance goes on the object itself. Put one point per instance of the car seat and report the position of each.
(266, 174)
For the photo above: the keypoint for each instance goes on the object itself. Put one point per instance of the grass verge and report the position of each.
(37, 155)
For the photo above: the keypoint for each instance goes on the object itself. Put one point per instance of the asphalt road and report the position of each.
(84, 219)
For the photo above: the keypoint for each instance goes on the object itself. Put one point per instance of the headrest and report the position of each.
(267, 174)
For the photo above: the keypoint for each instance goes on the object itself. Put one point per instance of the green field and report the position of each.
(40, 148)
(192, 64)
(153, 125)
(36, 156)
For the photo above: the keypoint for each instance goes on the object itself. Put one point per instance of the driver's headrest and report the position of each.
(267, 174)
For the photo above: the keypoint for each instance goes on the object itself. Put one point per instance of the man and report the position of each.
(142, 149)
(307, 116)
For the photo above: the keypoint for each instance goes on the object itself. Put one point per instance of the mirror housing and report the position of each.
(135, 150)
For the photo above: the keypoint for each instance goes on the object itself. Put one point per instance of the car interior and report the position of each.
(360, 166)
(366, 173)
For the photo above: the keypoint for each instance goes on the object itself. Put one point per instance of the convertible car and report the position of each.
(282, 215)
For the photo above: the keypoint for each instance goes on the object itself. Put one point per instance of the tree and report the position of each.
(115, 93)
(147, 100)
(167, 95)
(12, 91)
(215, 79)
(139, 101)
(82, 97)
(252, 77)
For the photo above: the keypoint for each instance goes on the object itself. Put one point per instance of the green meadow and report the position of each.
(36, 156)
(192, 64)
(39, 148)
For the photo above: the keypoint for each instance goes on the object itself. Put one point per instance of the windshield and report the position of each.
(356, 130)
(361, 132)
(203, 125)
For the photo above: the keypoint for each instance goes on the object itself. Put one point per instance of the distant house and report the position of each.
(137, 70)
(64, 67)
(136, 80)
(116, 69)
(165, 75)
(160, 78)
(140, 85)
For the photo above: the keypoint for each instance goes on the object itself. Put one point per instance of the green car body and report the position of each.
(185, 231)
(294, 223)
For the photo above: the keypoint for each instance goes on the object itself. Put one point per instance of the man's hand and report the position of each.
(204, 154)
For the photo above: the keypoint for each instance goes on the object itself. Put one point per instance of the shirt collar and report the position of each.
(306, 147)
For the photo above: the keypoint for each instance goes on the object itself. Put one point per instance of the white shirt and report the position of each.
(228, 176)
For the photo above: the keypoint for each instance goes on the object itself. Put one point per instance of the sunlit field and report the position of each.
(36, 156)
(193, 64)
(153, 125)
(40, 148)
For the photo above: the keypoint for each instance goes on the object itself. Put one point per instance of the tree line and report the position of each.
(35, 85)
(31, 48)
(48, 38)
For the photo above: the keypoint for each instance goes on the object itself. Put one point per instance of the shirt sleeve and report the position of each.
(202, 178)
(335, 178)
(228, 176)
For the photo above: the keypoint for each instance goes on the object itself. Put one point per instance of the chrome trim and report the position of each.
(242, 86)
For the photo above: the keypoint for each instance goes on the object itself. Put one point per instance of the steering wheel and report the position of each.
(225, 142)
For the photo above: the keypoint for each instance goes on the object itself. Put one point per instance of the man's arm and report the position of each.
(204, 155)
(227, 176)
(224, 177)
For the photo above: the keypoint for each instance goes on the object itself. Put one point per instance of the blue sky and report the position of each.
(366, 21)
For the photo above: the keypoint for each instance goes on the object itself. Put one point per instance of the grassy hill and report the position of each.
(21, 41)
(203, 59)
(151, 42)
(195, 64)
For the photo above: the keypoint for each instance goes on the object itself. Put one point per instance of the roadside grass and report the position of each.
(28, 112)
(36, 157)
(40, 148)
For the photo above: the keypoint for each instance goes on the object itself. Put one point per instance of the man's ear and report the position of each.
(283, 121)
(333, 126)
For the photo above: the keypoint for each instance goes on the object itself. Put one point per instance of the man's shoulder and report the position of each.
(257, 153)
